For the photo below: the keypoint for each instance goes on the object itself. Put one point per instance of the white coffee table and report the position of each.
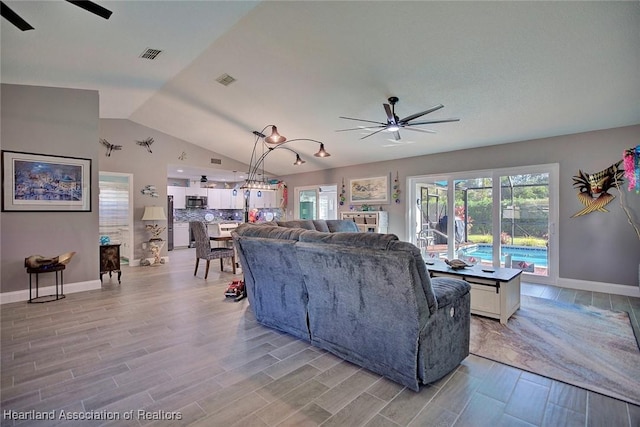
(494, 294)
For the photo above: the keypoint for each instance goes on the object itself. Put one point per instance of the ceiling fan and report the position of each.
(394, 123)
(11, 16)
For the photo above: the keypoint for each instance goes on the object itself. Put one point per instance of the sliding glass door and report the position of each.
(500, 218)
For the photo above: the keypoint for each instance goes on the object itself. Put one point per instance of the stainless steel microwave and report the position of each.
(196, 202)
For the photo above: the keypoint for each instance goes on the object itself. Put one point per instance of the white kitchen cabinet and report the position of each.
(181, 235)
(223, 199)
(237, 201)
(214, 198)
(196, 191)
(178, 193)
(267, 199)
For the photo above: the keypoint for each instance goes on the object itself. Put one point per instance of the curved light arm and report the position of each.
(259, 161)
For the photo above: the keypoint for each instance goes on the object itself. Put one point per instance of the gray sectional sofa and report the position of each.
(364, 297)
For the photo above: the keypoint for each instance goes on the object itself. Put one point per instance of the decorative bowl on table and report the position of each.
(457, 264)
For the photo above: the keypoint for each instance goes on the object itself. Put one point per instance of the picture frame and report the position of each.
(34, 182)
(369, 190)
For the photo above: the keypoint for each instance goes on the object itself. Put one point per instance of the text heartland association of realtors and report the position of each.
(139, 414)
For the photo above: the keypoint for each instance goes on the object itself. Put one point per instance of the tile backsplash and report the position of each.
(220, 215)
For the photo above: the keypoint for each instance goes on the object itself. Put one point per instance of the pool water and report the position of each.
(537, 256)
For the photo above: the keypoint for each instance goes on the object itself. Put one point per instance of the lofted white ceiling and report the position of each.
(510, 71)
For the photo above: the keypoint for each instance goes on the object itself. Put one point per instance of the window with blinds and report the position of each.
(114, 211)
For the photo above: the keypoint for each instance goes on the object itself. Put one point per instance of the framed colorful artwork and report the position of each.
(40, 182)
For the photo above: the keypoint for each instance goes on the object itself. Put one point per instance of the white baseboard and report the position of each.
(607, 288)
(68, 288)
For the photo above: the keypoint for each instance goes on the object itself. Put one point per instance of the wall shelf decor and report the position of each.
(396, 189)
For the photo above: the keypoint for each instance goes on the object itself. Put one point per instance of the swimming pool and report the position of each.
(537, 256)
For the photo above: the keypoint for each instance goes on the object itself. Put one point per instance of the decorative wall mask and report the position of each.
(110, 147)
(146, 143)
(593, 188)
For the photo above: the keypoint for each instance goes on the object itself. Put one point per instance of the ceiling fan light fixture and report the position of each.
(321, 152)
(204, 179)
(275, 137)
(393, 128)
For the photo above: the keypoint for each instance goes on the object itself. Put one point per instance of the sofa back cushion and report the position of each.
(321, 225)
(274, 281)
(268, 231)
(341, 225)
(370, 240)
(306, 224)
(420, 269)
(366, 303)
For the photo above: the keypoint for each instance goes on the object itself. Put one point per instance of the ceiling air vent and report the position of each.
(216, 161)
(150, 53)
(225, 79)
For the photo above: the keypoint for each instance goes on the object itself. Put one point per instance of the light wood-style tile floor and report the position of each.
(166, 348)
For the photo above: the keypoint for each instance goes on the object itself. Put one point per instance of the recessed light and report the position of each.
(180, 170)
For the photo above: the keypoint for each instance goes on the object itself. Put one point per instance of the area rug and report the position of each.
(583, 346)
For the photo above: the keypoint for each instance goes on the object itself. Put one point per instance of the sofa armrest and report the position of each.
(448, 290)
(444, 340)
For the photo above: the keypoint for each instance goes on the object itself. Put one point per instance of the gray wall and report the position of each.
(598, 247)
(151, 168)
(61, 122)
(66, 122)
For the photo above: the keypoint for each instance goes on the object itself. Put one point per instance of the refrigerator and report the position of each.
(169, 223)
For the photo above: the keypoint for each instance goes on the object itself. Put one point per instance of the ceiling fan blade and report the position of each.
(360, 128)
(8, 14)
(92, 7)
(367, 136)
(422, 113)
(362, 120)
(433, 121)
(390, 115)
(419, 130)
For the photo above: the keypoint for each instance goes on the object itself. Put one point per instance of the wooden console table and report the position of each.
(493, 294)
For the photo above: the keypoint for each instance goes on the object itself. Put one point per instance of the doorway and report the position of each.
(116, 211)
(316, 202)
